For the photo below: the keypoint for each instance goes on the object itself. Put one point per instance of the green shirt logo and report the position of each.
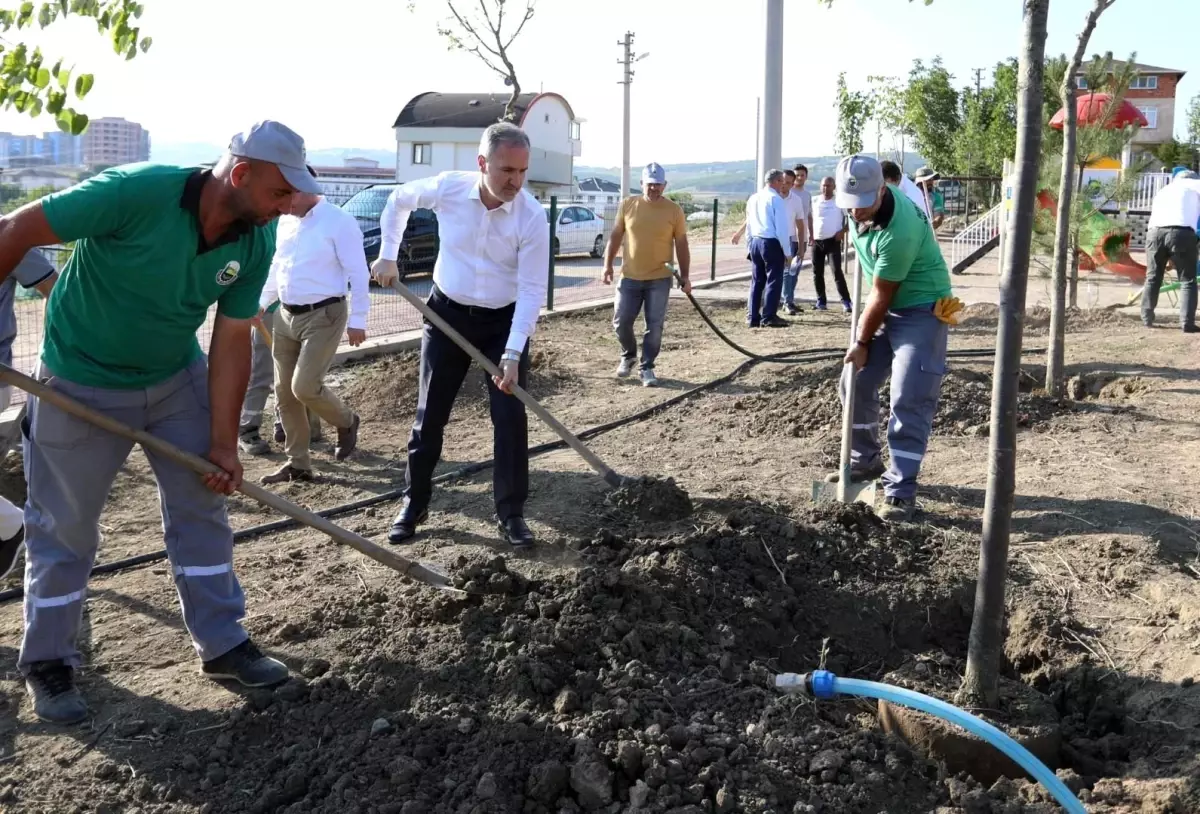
(229, 273)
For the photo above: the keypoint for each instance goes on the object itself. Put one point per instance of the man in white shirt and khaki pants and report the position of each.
(489, 283)
(318, 255)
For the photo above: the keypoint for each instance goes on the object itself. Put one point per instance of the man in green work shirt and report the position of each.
(156, 246)
(900, 332)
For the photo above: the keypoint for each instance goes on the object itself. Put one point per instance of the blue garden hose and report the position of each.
(825, 685)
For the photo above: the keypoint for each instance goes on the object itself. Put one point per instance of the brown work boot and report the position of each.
(286, 474)
(347, 440)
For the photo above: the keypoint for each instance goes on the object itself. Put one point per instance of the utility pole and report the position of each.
(970, 152)
(627, 62)
(770, 153)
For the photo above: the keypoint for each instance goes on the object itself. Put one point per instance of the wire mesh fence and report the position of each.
(580, 231)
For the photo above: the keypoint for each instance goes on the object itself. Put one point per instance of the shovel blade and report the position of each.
(863, 492)
(431, 576)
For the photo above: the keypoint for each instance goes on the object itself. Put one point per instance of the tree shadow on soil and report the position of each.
(1173, 534)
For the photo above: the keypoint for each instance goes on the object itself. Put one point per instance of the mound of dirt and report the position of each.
(641, 682)
(985, 316)
(650, 498)
(1108, 386)
(807, 404)
(386, 387)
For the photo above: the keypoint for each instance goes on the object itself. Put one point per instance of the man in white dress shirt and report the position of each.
(1174, 214)
(489, 283)
(895, 176)
(768, 229)
(318, 256)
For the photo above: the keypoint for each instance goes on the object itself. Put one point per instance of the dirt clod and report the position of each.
(650, 498)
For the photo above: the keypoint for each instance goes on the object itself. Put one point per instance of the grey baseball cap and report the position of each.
(858, 181)
(654, 174)
(277, 144)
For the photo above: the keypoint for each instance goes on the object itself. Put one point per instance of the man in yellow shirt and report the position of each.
(649, 231)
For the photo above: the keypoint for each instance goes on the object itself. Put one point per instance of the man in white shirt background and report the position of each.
(1171, 234)
(489, 283)
(318, 256)
(799, 202)
(829, 226)
(768, 229)
(893, 175)
(262, 384)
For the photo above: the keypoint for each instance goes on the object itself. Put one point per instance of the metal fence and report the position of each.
(575, 272)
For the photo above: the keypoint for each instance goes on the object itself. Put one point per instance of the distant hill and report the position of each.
(187, 153)
(728, 178)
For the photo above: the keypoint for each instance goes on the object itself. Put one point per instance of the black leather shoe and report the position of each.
(516, 532)
(404, 527)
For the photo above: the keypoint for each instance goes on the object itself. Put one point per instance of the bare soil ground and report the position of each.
(624, 664)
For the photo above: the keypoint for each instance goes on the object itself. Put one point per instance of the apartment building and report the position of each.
(110, 141)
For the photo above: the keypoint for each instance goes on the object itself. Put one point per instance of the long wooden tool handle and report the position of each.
(263, 332)
(843, 488)
(203, 467)
(602, 469)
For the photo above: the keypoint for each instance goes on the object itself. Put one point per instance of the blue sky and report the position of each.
(341, 74)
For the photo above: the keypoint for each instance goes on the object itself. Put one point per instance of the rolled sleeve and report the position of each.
(533, 264)
(348, 247)
(422, 194)
(33, 268)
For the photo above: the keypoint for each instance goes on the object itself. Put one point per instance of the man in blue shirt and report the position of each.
(768, 230)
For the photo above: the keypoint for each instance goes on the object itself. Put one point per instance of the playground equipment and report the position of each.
(1103, 242)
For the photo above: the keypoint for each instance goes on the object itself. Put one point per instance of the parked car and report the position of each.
(579, 231)
(419, 247)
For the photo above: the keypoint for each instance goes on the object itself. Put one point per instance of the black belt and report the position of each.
(304, 309)
(440, 297)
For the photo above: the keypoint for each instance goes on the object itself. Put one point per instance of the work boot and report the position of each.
(287, 474)
(404, 527)
(56, 699)
(625, 368)
(347, 440)
(10, 550)
(247, 665)
(280, 435)
(775, 322)
(863, 474)
(898, 509)
(251, 443)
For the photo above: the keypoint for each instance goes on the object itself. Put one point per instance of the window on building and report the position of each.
(422, 154)
(1151, 114)
(1082, 83)
(1144, 83)
(575, 130)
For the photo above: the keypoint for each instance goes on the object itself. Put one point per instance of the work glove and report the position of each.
(947, 309)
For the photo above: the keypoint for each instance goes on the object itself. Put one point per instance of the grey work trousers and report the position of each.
(1179, 244)
(70, 466)
(911, 348)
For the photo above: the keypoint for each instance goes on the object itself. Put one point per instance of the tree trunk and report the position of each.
(510, 108)
(980, 686)
(1063, 245)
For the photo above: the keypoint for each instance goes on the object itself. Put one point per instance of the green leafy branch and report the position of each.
(30, 85)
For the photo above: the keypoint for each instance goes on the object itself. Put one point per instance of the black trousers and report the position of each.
(830, 248)
(444, 366)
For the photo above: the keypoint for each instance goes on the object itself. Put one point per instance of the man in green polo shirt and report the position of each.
(901, 331)
(156, 246)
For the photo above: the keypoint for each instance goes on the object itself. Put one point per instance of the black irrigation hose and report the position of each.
(785, 357)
